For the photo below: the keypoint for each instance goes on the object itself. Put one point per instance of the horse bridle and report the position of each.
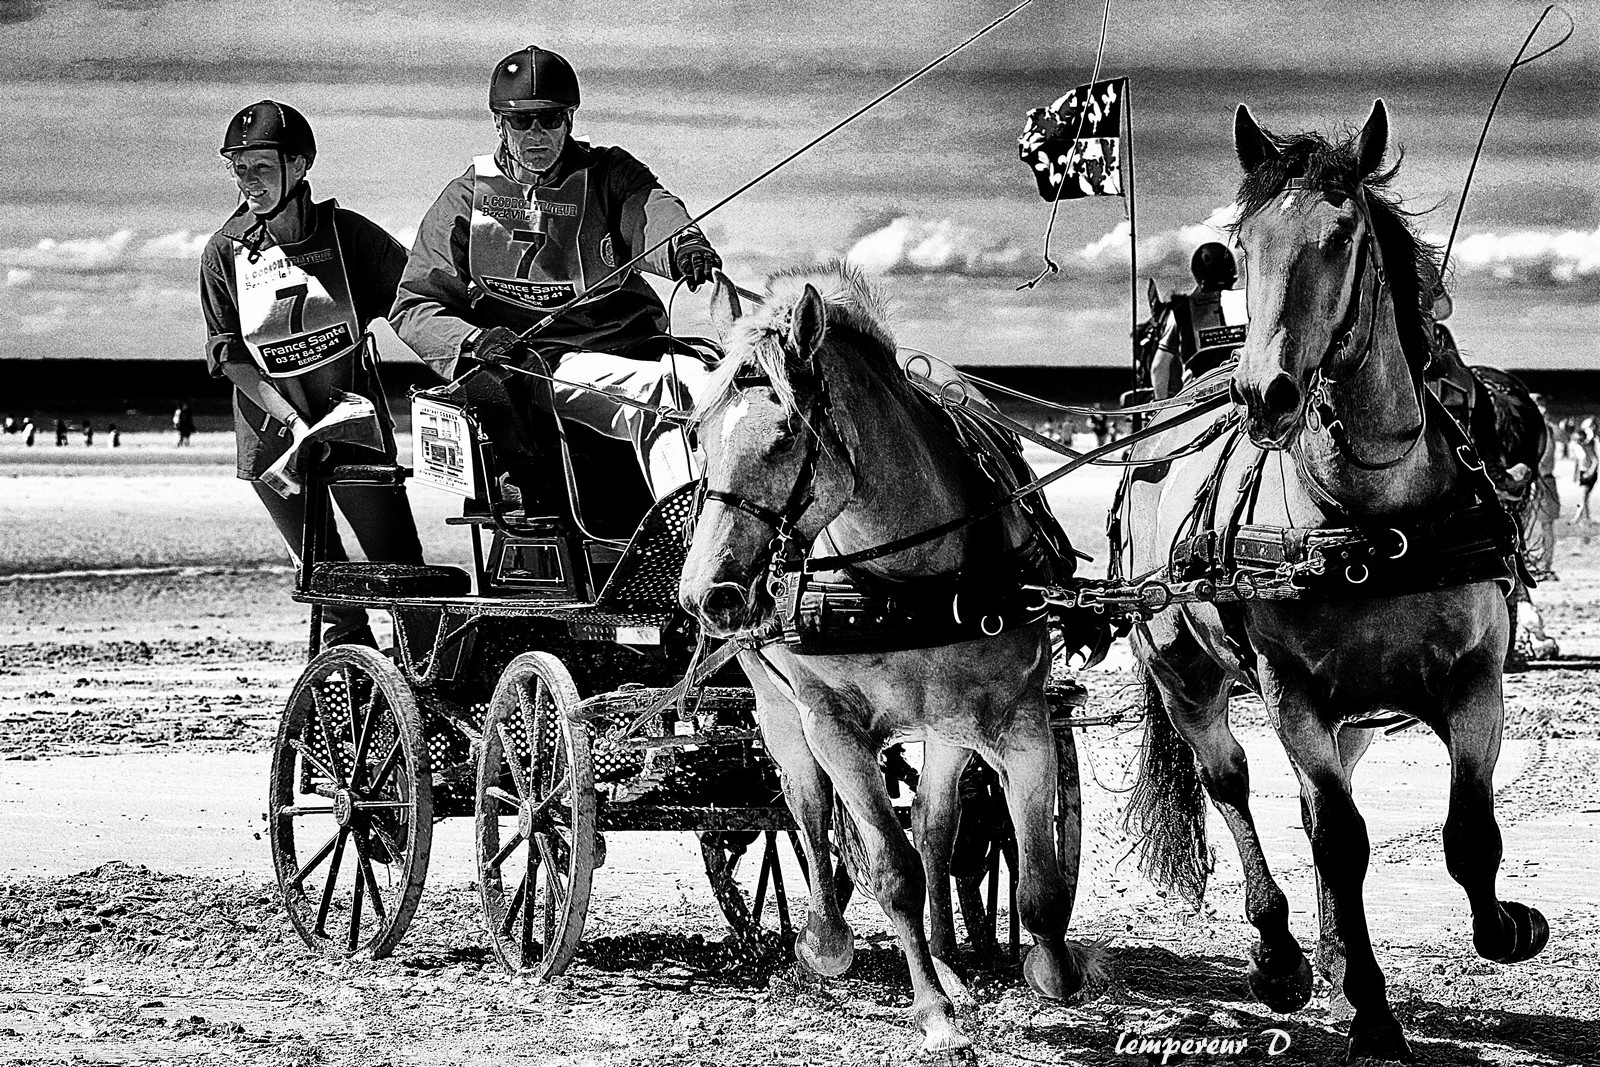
(1319, 411)
(786, 538)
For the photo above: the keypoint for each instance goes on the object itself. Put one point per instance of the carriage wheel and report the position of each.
(758, 877)
(535, 817)
(351, 803)
(978, 897)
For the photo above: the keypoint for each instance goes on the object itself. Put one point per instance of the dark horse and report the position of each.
(1328, 390)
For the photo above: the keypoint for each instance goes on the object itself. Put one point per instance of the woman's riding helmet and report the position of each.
(269, 124)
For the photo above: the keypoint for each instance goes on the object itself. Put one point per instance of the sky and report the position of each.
(110, 112)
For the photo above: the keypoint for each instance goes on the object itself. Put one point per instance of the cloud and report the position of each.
(1536, 258)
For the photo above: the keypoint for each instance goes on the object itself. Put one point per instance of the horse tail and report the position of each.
(1167, 806)
(851, 848)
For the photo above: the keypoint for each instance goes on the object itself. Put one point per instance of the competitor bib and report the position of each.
(1218, 319)
(526, 245)
(295, 312)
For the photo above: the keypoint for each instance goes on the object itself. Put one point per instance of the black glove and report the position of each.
(695, 262)
(498, 345)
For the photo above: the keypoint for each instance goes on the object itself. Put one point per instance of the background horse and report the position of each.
(811, 430)
(1330, 396)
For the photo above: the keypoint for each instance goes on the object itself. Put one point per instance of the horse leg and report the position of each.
(825, 944)
(1340, 848)
(1195, 690)
(1329, 954)
(895, 871)
(935, 815)
(1503, 931)
(1056, 968)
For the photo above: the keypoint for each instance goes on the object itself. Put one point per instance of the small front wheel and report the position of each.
(535, 808)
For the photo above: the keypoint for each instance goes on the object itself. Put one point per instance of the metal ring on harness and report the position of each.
(999, 624)
(1244, 586)
(960, 396)
(1044, 603)
(1350, 573)
(1405, 542)
(1155, 603)
(927, 361)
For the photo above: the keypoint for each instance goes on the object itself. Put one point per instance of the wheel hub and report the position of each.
(344, 807)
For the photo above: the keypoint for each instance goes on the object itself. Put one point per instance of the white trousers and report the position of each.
(674, 381)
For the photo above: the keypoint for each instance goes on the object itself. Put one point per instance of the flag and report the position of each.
(1074, 146)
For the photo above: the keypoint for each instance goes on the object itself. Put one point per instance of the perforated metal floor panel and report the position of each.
(646, 577)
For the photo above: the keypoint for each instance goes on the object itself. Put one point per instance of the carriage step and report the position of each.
(383, 580)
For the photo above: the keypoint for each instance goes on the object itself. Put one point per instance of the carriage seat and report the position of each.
(388, 580)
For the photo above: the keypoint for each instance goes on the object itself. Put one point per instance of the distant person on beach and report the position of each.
(1587, 471)
(116, 435)
(183, 422)
(88, 434)
(540, 221)
(1544, 507)
(288, 286)
(61, 433)
(1100, 426)
(28, 432)
(12, 425)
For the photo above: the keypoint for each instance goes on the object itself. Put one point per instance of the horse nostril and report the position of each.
(723, 603)
(1282, 395)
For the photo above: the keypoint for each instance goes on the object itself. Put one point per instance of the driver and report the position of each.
(1197, 334)
(543, 219)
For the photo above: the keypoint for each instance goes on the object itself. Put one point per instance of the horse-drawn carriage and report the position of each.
(556, 693)
(1310, 523)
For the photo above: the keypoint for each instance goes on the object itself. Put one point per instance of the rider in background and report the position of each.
(288, 286)
(1199, 333)
(540, 221)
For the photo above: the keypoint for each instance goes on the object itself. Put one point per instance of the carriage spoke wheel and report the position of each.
(535, 807)
(761, 883)
(350, 808)
(979, 896)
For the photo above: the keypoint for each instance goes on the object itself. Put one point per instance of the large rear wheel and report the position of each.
(535, 808)
(350, 811)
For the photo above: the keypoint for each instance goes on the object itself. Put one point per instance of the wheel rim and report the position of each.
(760, 881)
(535, 818)
(350, 811)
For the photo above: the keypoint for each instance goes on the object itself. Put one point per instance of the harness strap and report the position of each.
(900, 544)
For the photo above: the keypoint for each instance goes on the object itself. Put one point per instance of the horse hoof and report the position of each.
(953, 986)
(1047, 976)
(1386, 1041)
(821, 958)
(950, 1057)
(1283, 993)
(1532, 932)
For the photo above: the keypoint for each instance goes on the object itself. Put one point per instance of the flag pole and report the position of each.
(1133, 232)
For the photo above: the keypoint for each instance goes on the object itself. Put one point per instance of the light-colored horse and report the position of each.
(812, 421)
(1337, 281)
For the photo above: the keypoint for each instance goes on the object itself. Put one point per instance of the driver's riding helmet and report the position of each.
(1213, 267)
(532, 79)
(269, 124)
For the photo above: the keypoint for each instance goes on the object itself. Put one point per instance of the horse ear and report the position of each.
(807, 325)
(1250, 142)
(1373, 140)
(725, 305)
(1152, 295)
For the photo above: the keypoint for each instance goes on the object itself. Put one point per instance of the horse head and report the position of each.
(1306, 230)
(777, 469)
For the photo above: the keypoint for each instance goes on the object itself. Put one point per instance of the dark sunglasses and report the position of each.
(527, 120)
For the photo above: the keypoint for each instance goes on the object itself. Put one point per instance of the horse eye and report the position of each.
(1339, 241)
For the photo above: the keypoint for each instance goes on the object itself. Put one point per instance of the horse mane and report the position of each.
(1411, 264)
(856, 314)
